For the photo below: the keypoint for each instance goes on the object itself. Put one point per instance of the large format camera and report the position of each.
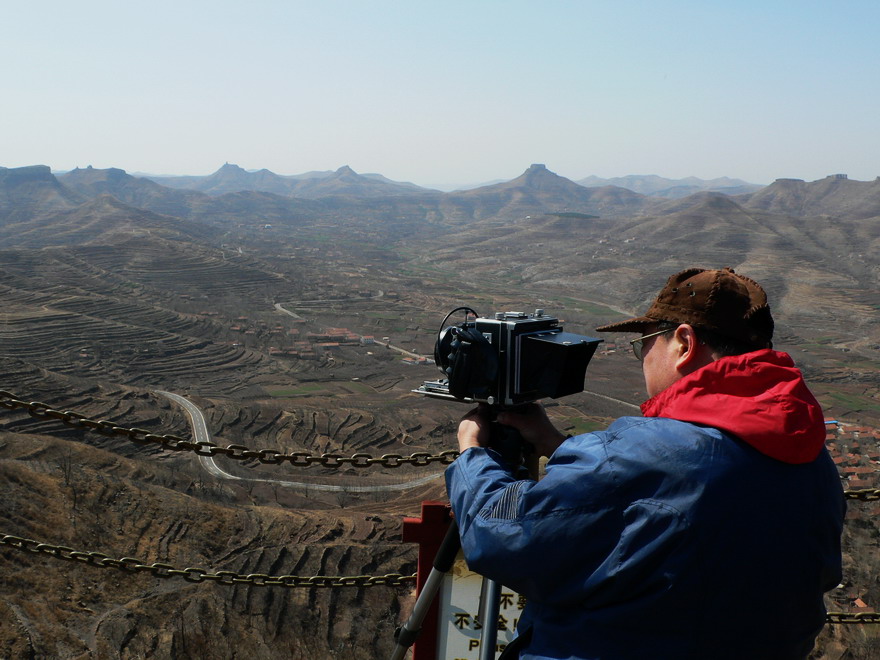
(508, 360)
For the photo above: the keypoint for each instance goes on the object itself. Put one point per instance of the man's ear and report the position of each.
(688, 355)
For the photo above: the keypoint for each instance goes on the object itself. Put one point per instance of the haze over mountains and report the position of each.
(344, 181)
(232, 178)
(661, 187)
(537, 189)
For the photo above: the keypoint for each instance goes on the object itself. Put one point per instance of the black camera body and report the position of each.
(508, 360)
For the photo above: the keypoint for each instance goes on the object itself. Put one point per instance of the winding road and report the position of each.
(201, 434)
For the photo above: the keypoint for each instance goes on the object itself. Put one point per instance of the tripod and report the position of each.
(407, 634)
(508, 442)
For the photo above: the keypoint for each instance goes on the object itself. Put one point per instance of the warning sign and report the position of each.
(460, 628)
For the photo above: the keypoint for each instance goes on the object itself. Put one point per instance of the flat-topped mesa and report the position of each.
(17, 175)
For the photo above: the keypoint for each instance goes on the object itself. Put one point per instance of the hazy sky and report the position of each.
(445, 92)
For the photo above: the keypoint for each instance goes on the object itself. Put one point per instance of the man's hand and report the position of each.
(473, 430)
(535, 427)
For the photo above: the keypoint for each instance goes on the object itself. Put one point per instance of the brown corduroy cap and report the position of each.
(718, 300)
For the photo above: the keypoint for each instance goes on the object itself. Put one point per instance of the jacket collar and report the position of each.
(759, 397)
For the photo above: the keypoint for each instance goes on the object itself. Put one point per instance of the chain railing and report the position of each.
(273, 457)
(266, 456)
(157, 569)
(160, 570)
(852, 617)
(863, 494)
(235, 452)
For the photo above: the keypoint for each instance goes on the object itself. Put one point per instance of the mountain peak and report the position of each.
(231, 168)
(345, 170)
(538, 176)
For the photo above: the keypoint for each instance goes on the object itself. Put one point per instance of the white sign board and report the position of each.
(460, 629)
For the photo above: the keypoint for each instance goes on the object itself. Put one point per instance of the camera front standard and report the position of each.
(508, 360)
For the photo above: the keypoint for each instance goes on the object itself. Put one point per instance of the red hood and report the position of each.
(759, 397)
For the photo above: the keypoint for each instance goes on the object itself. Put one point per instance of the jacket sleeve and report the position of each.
(567, 538)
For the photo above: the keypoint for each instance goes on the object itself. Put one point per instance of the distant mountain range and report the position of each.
(549, 229)
(376, 205)
(344, 181)
(657, 186)
(231, 195)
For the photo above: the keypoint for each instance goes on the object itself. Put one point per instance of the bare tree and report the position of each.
(65, 464)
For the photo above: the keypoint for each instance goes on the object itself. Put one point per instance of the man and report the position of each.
(709, 528)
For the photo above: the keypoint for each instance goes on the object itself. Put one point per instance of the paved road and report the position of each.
(402, 350)
(201, 434)
(610, 398)
(280, 307)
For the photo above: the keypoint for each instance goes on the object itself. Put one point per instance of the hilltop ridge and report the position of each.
(231, 178)
(25, 191)
(835, 195)
(538, 188)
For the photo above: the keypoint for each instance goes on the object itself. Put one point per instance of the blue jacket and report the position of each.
(659, 538)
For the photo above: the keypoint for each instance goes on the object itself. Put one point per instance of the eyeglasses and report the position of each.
(638, 344)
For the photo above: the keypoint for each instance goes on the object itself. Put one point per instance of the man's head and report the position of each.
(699, 316)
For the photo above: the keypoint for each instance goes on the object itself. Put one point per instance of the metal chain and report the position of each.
(852, 617)
(237, 452)
(266, 456)
(273, 457)
(132, 565)
(863, 494)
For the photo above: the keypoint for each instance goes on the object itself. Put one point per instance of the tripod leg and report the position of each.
(407, 634)
(491, 597)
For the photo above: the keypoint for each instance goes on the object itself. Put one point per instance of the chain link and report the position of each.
(852, 617)
(157, 569)
(236, 452)
(863, 494)
(271, 457)
(267, 456)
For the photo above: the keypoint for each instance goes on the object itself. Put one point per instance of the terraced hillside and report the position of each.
(829, 280)
(98, 329)
(134, 351)
(67, 610)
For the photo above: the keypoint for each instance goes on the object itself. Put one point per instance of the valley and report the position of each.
(280, 317)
